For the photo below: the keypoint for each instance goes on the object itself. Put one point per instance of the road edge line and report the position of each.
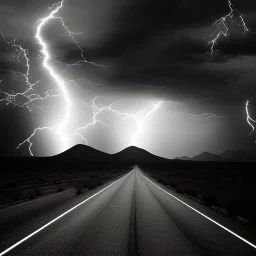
(60, 216)
(205, 216)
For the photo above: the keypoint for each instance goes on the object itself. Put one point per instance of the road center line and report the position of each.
(60, 216)
(210, 219)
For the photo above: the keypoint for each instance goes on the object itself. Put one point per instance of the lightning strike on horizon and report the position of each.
(140, 122)
(97, 110)
(225, 32)
(46, 58)
(21, 54)
(249, 119)
(139, 118)
(59, 81)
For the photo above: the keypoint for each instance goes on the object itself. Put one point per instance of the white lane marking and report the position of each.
(63, 214)
(215, 222)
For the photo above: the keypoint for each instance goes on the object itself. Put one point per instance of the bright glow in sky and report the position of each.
(82, 87)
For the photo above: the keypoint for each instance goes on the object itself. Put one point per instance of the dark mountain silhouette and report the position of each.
(78, 156)
(206, 156)
(83, 153)
(229, 155)
(82, 156)
(136, 155)
(185, 158)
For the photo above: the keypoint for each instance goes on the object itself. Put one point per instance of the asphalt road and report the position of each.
(132, 216)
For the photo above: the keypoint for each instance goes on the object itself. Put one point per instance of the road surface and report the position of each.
(132, 216)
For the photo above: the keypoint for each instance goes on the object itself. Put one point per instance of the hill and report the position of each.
(185, 158)
(229, 155)
(81, 156)
(83, 153)
(136, 155)
(206, 156)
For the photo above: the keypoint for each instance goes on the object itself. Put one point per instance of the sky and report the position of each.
(147, 77)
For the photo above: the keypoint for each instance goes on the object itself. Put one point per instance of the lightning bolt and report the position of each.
(28, 140)
(55, 9)
(139, 118)
(58, 129)
(46, 58)
(28, 96)
(250, 121)
(205, 115)
(225, 32)
(61, 84)
(21, 55)
(212, 43)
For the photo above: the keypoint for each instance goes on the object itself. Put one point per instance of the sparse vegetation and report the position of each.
(31, 183)
(230, 186)
(79, 187)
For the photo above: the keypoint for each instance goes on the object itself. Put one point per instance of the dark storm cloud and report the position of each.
(204, 85)
(160, 44)
(235, 46)
(164, 44)
(159, 15)
(5, 67)
(151, 37)
(140, 27)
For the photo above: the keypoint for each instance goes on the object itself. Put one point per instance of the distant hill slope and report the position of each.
(229, 155)
(83, 153)
(136, 156)
(185, 158)
(87, 154)
(82, 156)
(206, 156)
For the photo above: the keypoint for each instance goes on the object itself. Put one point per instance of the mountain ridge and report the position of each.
(84, 153)
(228, 155)
(134, 154)
(79, 154)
